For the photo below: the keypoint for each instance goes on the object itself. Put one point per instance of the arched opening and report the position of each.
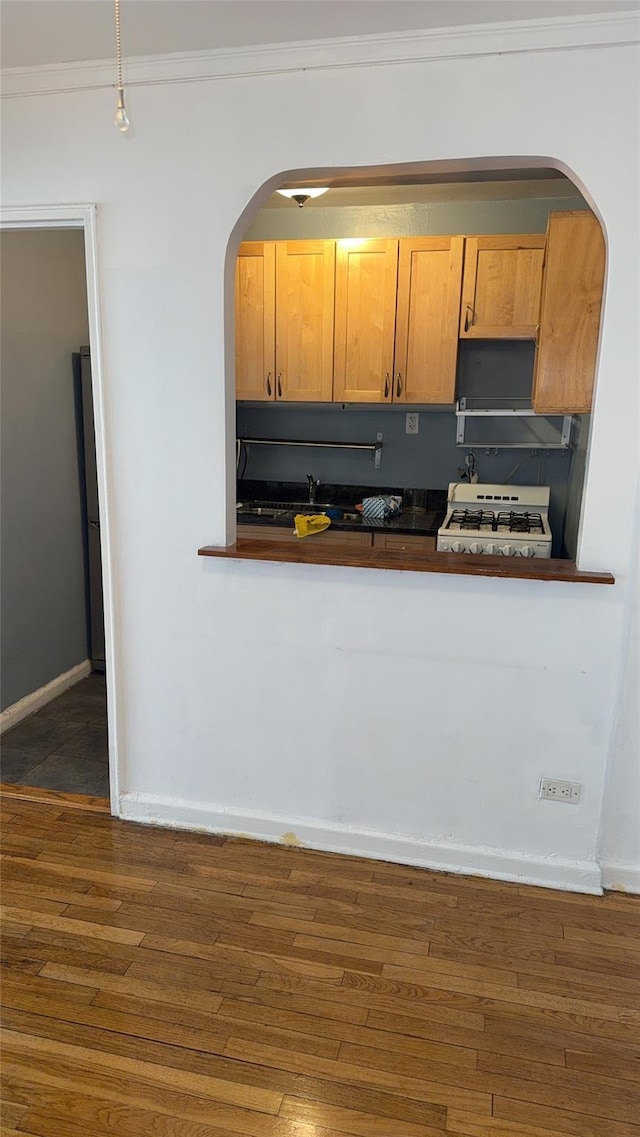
(429, 363)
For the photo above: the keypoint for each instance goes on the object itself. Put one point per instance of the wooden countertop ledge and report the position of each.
(311, 551)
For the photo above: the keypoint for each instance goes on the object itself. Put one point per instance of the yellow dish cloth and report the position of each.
(309, 523)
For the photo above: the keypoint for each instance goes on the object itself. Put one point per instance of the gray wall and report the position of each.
(524, 215)
(44, 319)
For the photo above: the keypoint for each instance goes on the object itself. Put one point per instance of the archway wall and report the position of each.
(402, 716)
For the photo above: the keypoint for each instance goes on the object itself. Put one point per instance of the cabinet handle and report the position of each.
(399, 385)
(269, 384)
(469, 318)
(279, 384)
(386, 386)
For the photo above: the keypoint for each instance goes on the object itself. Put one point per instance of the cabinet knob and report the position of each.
(269, 384)
(279, 384)
(469, 318)
(398, 385)
(386, 386)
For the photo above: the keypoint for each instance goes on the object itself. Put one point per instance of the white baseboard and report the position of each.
(549, 872)
(37, 699)
(619, 877)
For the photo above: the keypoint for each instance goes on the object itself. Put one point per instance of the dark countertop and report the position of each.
(423, 519)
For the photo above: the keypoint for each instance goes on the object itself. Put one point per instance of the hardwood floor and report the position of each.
(175, 984)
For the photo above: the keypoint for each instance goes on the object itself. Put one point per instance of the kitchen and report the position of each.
(423, 392)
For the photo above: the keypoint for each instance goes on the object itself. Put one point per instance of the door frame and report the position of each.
(85, 216)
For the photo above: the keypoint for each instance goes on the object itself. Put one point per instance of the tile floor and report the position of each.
(63, 746)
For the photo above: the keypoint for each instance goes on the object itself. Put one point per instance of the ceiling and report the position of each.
(36, 32)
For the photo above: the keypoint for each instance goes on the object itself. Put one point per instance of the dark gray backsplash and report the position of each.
(431, 459)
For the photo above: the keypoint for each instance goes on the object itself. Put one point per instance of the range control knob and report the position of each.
(458, 547)
(527, 551)
(475, 547)
(491, 550)
(444, 546)
(508, 551)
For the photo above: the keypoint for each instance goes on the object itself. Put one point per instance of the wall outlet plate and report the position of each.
(552, 789)
(412, 422)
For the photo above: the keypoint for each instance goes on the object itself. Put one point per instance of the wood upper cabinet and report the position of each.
(501, 286)
(428, 306)
(366, 279)
(569, 314)
(305, 289)
(255, 321)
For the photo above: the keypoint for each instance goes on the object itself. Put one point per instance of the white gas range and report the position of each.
(508, 521)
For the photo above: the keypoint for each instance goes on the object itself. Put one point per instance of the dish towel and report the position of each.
(306, 524)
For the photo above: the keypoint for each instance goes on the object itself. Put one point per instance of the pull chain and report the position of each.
(121, 119)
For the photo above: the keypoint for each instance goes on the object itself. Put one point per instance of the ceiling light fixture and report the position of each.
(302, 195)
(121, 119)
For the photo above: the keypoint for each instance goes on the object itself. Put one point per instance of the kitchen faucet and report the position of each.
(313, 485)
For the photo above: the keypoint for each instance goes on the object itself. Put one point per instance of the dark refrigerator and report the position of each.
(90, 509)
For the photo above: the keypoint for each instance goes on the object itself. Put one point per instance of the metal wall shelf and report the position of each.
(375, 448)
(463, 412)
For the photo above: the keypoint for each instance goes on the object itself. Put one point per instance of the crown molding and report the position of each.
(523, 36)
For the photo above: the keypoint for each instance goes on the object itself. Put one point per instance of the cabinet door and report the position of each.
(501, 287)
(569, 314)
(404, 543)
(429, 284)
(305, 289)
(255, 321)
(329, 536)
(366, 279)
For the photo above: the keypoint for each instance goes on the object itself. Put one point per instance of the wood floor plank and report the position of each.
(565, 1121)
(459, 1055)
(351, 1073)
(604, 1066)
(105, 981)
(351, 1121)
(231, 1093)
(11, 1112)
(403, 1026)
(608, 1097)
(512, 1077)
(77, 1079)
(465, 1125)
(77, 872)
(182, 985)
(85, 802)
(530, 1021)
(65, 923)
(502, 993)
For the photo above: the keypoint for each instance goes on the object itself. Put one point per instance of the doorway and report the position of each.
(56, 645)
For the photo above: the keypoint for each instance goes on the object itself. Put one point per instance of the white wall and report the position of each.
(403, 715)
(620, 847)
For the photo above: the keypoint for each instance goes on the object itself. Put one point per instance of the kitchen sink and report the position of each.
(262, 511)
(312, 507)
(282, 509)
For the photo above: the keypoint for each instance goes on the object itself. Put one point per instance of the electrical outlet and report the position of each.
(412, 422)
(555, 790)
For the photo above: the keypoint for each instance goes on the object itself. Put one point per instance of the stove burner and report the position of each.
(504, 522)
(472, 519)
(519, 523)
